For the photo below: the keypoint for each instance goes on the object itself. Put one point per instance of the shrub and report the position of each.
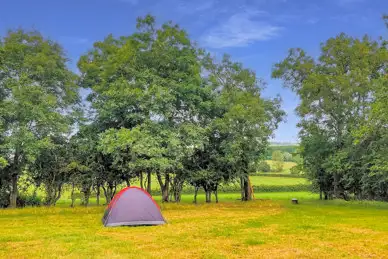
(263, 166)
(278, 161)
(296, 170)
(24, 200)
(287, 156)
(4, 196)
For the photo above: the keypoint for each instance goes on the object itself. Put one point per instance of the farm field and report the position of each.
(286, 167)
(280, 181)
(269, 227)
(255, 180)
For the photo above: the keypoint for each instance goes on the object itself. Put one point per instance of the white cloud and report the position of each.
(239, 30)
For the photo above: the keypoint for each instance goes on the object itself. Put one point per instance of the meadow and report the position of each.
(277, 181)
(268, 227)
(257, 180)
(286, 167)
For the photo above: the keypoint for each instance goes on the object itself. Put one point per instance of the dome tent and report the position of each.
(132, 206)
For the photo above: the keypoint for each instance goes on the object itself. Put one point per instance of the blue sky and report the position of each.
(255, 32)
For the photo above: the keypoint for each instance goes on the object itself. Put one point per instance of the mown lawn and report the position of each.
(231, 229)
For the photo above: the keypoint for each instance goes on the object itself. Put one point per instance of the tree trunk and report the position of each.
(164, 187)
(320, 194)
(107, 199)
(98, 194)
(165, 191)
(141, 180)
(72, 195)
(209, 196)
(127, 181)
(86, 191)
(165, 194)
(216, 194)
(247, 190)
(195, 194)
(149, 182)
(109, 191)
(14, 191)
(242, 188)
(14, 180)
(336, 186)
(59, 193)
(177, 189)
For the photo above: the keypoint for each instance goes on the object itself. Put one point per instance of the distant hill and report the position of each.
(284, 147)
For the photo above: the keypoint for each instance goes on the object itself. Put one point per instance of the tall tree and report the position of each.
(49, 169)
(39, 91)
(247, 120)
(149, 78)
(336, 92)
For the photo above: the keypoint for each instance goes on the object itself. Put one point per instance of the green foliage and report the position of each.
(342, 119)
(278, 158)
(263, 166)
(283, 148)
(159, 113)
(162, 107)
(31, 200)
(287, 157)
(297, 170)
(3, 163)
(37, 91)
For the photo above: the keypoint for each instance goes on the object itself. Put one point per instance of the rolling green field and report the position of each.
(286, 167)
(257, 179)
(231, 229)
(268, 180)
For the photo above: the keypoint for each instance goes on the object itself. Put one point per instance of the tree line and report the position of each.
(161, 107)
(343, 111)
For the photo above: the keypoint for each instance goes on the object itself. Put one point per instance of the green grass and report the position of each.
(286, 167)
(284, 181)
(260, 229)
(258, 180)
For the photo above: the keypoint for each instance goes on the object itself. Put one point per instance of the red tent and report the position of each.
(132, 206)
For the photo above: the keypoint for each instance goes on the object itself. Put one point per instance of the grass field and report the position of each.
(231, 229)
(286, 167)
(268, 180)
(257, 180)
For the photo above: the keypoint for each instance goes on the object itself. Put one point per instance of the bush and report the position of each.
(4, 197)
(296, 170)
(287, 157)
(263, 166)
(24, 200)
(278, 161)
